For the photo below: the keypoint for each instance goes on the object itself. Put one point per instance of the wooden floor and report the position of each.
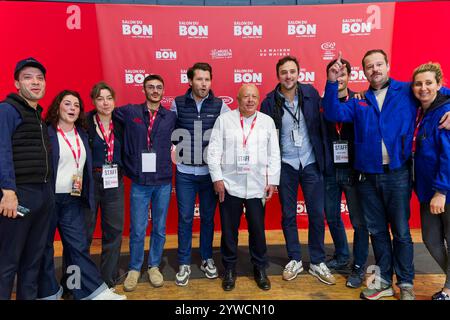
(304, 287)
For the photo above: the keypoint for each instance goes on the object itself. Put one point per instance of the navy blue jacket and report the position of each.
(432, 156)
(9, 121)
(87, 192)
(310, 106)
(135, 121)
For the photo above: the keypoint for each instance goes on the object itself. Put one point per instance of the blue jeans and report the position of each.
(342, 181)
(140, 199)
(385, 201)
(187, 187)
(311, 181)
(68, 217)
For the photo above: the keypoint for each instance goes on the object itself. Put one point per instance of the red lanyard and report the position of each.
(339, 124)
(77, 158)
(244, 138)
(150, 128)
(419, 119)
(339, 128)
(109, 138)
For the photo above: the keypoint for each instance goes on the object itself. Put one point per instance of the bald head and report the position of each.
(248, 99)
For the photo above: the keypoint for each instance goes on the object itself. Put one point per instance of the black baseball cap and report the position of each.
(28, 62)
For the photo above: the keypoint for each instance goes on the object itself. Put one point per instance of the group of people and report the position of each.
(57, 172)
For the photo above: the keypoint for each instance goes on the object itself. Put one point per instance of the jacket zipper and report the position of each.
(45, 148)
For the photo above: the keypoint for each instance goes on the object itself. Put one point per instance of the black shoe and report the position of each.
(261, 278)
(229, 280)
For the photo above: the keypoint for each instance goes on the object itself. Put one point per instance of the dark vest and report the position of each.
(30, 144)
(189, 118)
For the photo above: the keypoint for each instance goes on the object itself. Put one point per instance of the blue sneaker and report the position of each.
(336, 264)
(356, 278)
(441, 295)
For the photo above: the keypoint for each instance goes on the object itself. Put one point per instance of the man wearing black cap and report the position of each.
(25, 192)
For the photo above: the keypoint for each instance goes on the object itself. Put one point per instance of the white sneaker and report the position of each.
(109, 294)
(209, 268)
(321, 272)
(182, 277)
(292, 269)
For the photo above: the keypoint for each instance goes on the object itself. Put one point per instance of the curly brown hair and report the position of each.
(52, 115)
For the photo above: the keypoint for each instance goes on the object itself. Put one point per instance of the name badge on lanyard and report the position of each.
(296, 137)
(149, 157)
(243, 162)
(340, 151)
(110, 175)
(77, 185)
(148, 161)
(243, 156)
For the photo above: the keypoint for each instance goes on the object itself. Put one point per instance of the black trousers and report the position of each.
(230, 216)
(436, 237)
(112, 205)
(22, 241)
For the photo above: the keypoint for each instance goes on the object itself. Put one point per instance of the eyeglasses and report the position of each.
(153, 88)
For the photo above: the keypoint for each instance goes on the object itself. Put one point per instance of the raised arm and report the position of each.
(334, 110)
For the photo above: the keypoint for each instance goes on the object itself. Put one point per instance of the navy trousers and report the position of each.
(22, 241)
(83, 277)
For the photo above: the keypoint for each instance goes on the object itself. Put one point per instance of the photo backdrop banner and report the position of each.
(81, 44)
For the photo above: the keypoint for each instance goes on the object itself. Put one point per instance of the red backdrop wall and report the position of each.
(81, 44)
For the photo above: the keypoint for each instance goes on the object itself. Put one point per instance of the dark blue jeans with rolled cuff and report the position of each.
(187, 187)
(342, 181)
(83, 277)
(311, 181)
(385, 200)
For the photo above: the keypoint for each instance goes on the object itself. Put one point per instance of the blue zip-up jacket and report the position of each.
(310, 106)
(9, 121)
(432, 156)
(394, 124)
(87, 191)
(135, 120)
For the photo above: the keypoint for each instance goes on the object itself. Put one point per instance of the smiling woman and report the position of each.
(432, 166)
(66, 110)
(74, 191)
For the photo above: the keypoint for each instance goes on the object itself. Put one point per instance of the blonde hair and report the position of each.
(430, 67)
